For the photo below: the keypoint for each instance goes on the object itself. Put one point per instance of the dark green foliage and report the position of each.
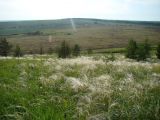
(131, 49)
(138, 52)
(35, 33)
(89, 51)
(64, 50)
(41, 50)
(76, 50)
(147, 48)
(158, 51)
(141, 53)
(4, 47)
(50, 50)
(18, 51)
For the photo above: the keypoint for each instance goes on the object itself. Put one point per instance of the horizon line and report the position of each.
(20, 20)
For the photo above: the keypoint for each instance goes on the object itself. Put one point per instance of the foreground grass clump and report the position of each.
(41, 88)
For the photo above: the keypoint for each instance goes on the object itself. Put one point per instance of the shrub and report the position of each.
(147, 48)
(89, 51)
(50, 50)
(76, 50)
(131, 49)
(41, 50)
(143, 51)
(158, 51)
(18, 51)
(64, 50)
(35, 33)
(4, 47)
(140, 52)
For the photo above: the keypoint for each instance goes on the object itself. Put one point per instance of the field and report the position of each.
(88, 33)
(104, 85)
(94, 87)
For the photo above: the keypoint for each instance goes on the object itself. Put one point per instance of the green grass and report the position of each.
(29, 102)
(45, 87)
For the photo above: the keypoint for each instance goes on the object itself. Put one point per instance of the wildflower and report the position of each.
(75, 84)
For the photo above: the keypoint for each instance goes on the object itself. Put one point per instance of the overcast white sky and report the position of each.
(148, 10)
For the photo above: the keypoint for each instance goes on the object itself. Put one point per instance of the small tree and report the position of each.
(89, 51)
(158, 51)
(4, 47)
(50, 50)
(64, 50)
(76, 50)
(147, 48)
(141, 52)
(18, 51)
(41, 50)
(131, 49)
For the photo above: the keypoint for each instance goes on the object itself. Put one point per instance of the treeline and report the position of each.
(140, 51)
(5, 48)
(64, 51)
(134, 50)
(35, 33)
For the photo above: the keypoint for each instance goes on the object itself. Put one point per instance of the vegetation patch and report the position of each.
(86, 87)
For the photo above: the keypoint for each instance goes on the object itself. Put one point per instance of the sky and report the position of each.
(143, 10)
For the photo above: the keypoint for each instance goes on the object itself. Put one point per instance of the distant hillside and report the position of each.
(19, 27)
(90, 33)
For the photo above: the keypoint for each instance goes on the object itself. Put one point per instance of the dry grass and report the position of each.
(83, 88)
(95, 37)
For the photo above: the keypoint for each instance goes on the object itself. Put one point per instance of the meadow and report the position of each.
(89, 87)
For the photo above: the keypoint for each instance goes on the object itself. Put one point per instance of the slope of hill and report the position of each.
(89, 33)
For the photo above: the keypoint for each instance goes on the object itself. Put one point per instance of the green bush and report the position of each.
(41, 51)
(4, 47)
(64, 50)
(76, 50)
(89, 51)
(131, 49)
(141, 53)
(50, 50)
(138, 52)
(158, 51)
(18, 51)
(147, 48)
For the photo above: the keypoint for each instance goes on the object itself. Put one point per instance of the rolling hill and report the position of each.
(88, 33)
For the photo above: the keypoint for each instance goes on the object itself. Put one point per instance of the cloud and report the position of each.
(54, 9)
(143, 2)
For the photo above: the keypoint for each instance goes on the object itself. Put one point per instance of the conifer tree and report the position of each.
(64, 50)
(131, 49)
(18, 51)
(76, 50)
(158, 51)
(4, 47)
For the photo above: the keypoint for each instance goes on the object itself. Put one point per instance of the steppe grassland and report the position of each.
(87, 87)
(94, 37)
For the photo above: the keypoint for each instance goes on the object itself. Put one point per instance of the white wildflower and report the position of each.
(58, 67)
(85, 99)
(75, 84)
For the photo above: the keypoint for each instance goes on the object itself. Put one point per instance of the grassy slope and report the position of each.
(91, 33)
(44, 88)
